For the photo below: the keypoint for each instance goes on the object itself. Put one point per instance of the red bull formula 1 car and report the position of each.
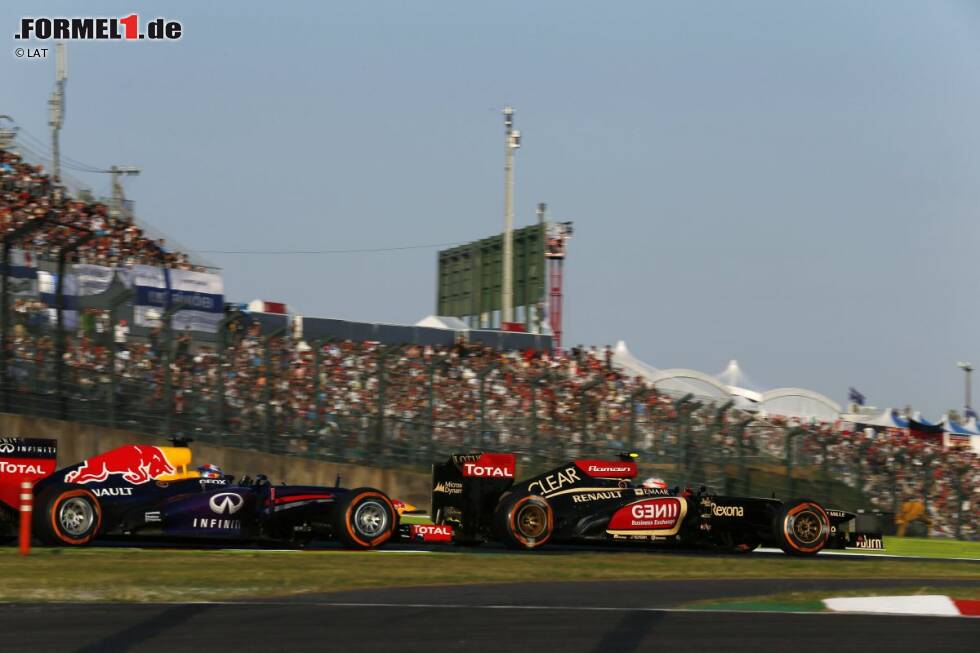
(476, 498)
(152, 490)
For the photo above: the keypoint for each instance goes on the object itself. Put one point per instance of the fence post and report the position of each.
(482, 375)
(60, 305)
(791, 434)
(168, 380)
(383, 352)
(631, 445)
(123, 297)
(588, 442)
(437, 359)
(746, 479)
(270, 420)
(7, 240)
(961, 496)
(825, 465)
(927, 487)
(318, 420)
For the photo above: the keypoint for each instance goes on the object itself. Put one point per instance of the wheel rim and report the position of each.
(532, 521)
(371, 519)
(807, 527)
(76, 516)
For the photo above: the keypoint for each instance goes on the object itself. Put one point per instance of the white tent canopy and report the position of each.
(442, 322)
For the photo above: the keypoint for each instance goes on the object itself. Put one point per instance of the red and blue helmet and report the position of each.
(210, 471)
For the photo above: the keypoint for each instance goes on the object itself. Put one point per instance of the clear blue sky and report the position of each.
(793, 184)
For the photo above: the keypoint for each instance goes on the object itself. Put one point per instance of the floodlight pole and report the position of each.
(56, 105)
(512, 141)
(967, 369)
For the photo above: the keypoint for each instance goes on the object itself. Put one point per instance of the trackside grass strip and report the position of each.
(116, 574)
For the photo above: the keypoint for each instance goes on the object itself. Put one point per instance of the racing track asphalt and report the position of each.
(559, 617)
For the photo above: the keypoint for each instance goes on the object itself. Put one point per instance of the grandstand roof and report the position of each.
(443, 322)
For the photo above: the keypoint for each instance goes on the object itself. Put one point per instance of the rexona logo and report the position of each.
(226, 503)
(727, 511)
(662, 516)
(554, 482)
(490, 465)
(607, 468)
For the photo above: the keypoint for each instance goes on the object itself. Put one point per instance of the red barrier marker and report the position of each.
(26, 507)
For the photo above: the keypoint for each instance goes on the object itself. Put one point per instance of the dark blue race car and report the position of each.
(154, 491)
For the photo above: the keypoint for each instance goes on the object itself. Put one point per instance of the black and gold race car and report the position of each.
(597, 500)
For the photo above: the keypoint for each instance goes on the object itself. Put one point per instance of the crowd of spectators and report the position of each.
(408, 403)
(113, 240)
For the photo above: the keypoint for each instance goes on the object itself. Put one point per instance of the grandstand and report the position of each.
(400, 399)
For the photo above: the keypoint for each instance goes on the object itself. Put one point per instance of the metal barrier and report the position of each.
(396, 406)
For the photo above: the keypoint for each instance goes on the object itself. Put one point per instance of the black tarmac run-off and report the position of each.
(560, 617)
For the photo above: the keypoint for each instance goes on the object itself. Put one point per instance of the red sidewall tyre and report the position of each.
(802, 527)
(356, 514)
(53, 511)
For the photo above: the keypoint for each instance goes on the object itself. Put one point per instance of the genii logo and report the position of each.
(660, 516)
(226, 503)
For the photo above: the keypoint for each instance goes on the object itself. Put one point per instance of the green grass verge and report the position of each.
(931, 548)
(812, 601)
(97, 574)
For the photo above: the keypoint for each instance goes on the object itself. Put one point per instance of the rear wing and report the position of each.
(24, 459)
(466, 489)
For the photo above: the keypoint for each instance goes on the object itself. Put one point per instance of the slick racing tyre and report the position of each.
(364, 518)
(524, 522)
(801, 527)
(67, 515)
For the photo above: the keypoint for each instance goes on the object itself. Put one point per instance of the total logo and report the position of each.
(486, 471)
(226, 503)
(727, 511)
(19, 468)
(442, 529)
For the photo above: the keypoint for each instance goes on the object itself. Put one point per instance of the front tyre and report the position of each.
(524, 522)
(67, 515)
(364, 519)
(801, 527)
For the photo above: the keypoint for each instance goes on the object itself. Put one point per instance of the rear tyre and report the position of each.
(364, 519)
(525, 522)
(801, 527)
(67, 515)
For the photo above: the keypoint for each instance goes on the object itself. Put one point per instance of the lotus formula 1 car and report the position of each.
(150, 490)
(595, 500)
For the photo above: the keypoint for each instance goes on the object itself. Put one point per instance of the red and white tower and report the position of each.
(557, 233)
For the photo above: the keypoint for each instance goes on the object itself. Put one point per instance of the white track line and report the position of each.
(868, 554)
(504, 607)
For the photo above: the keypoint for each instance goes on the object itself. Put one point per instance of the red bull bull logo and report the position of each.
(135, 463)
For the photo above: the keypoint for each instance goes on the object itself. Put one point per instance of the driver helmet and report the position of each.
(654, 482)
(210, 471)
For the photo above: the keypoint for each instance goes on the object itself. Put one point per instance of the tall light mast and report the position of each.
(512, 141)
(56, 106)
